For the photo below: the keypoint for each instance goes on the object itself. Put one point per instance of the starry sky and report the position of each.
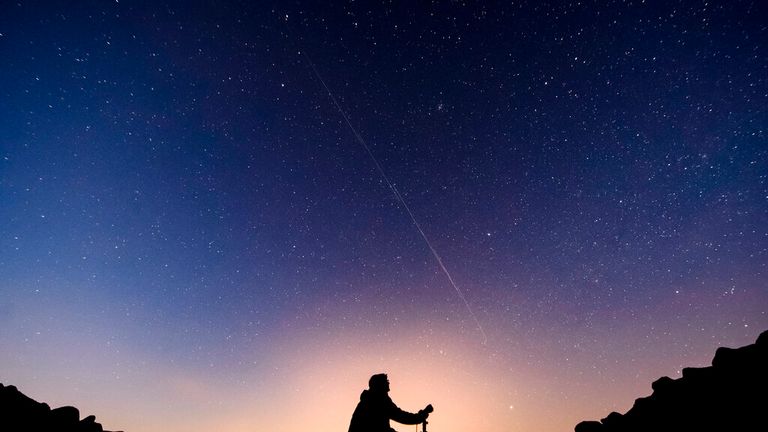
(192, 238)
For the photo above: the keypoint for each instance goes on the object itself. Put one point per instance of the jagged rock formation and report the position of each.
(19, 412)
(730, 395)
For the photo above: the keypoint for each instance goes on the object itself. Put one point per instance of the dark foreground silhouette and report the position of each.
(730, 395)
(18, 412)
(376, 409)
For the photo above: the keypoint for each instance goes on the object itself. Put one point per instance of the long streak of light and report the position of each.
(397, 195)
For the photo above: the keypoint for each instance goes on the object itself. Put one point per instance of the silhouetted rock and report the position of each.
(65, 415)
(19, 412)
(729, 395)
(589, 426)
(89, 424)
(612, 419)
(663, 384)
(762, 340)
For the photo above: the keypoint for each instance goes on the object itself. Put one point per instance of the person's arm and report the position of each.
(405, 417)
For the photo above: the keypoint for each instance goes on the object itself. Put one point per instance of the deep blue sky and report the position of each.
(177, 188)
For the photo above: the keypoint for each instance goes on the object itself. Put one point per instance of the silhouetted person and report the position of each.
(376, 409)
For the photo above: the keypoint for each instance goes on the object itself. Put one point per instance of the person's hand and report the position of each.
(425, 412)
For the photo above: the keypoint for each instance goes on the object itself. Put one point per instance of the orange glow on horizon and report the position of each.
(322, 379)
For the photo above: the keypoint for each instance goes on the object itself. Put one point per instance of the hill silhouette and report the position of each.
(20, 412)
(732, 394)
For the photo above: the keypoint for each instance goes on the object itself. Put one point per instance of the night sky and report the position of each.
(192, 238)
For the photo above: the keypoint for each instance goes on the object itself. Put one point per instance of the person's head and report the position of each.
(379, 383)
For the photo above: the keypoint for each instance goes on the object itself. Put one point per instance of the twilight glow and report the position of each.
(193, 239)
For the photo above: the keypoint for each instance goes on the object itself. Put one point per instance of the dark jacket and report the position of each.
(376, 409)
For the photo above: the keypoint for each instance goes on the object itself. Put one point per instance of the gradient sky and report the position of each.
(192, 239)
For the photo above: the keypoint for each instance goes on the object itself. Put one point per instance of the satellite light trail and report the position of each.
(394, 190)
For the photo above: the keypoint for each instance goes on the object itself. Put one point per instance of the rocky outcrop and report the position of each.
(21, 413)
(732, 394)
